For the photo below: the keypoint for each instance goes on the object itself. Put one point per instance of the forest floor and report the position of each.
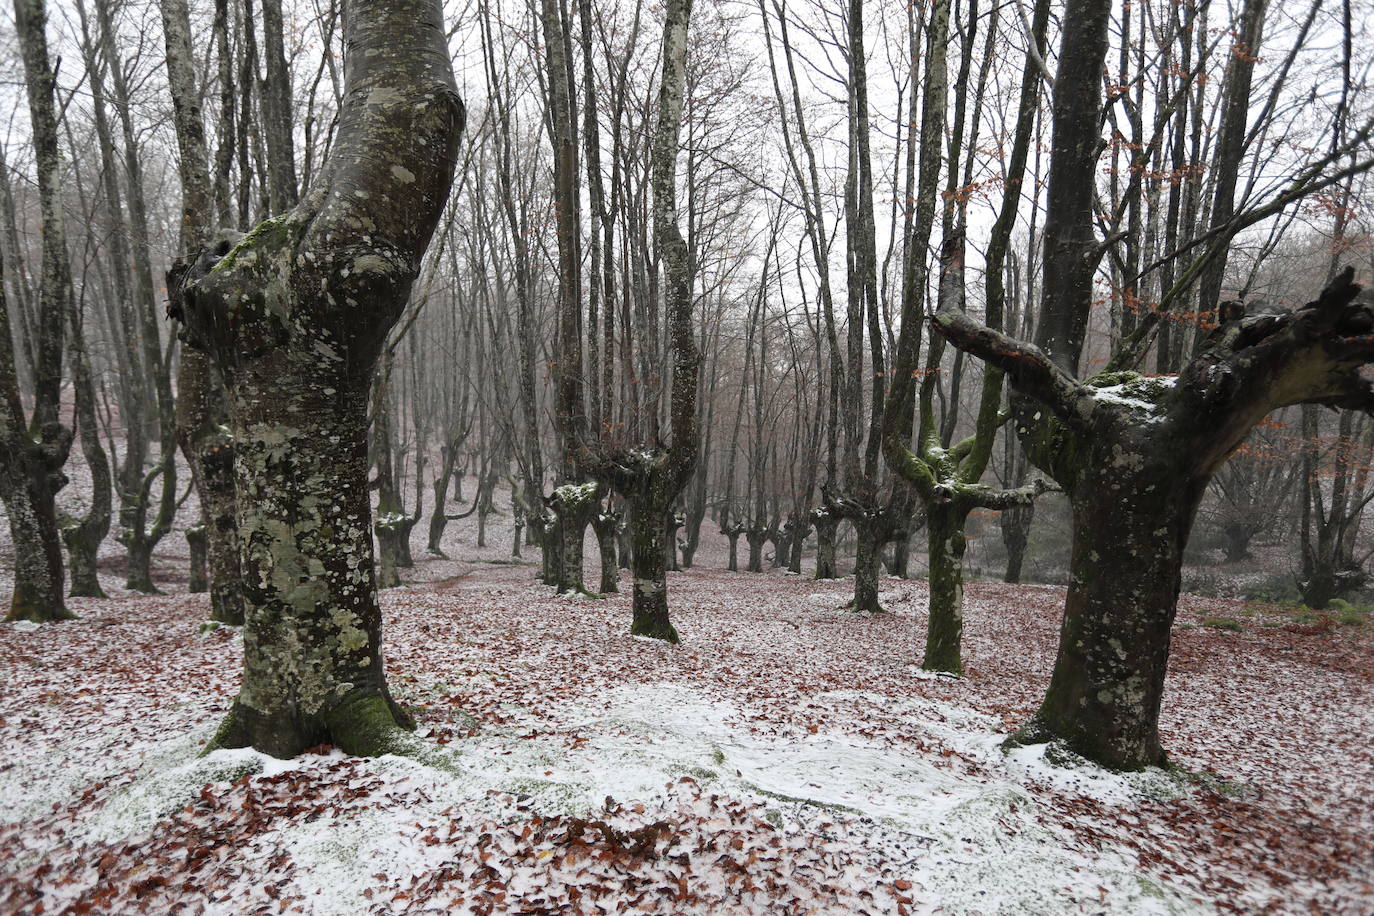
(788, 756)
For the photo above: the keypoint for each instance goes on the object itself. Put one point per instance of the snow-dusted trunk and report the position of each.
(575, 507)
(296, 315)
(1132, 511)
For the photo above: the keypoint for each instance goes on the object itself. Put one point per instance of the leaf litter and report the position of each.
(788, 757)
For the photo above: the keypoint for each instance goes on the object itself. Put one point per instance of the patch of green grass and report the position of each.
(1307, 617)
(797, 800)
(1223, 623)
(1350, 618)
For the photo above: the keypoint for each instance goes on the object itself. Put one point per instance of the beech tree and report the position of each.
(945, 477)
(650, 476)
(1135, 454)
(296, 316)
(33, 449)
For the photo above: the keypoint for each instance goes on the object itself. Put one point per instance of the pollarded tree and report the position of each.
(946, 478)
(33, 450)
(1134, 455)
(651, 476)
(296, 316)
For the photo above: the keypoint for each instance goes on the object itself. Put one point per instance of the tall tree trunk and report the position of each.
(296, 315)
(34, 452)
(83, 537)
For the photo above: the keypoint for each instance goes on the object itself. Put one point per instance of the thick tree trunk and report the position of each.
(756, 537)
(139, 552)
(312, 640)
(649, 563)
(575, 506)
(1129, 528)
(30, 491)
(945, 626)
(296, 315)
(781, 542)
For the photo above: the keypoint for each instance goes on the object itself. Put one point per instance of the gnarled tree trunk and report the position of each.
(296, 316)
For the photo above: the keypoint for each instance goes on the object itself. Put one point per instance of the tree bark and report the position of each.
(296, 316)
(827, 526)
(34, 452)
(649, 564)
(1135, 456)
(945, 553)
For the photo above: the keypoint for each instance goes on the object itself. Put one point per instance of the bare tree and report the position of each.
(35, 448)
(296, 316)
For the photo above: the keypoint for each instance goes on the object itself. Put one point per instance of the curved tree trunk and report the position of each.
(296, 316)
(33, 453)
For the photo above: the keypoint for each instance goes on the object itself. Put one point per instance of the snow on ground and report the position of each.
(787, 757)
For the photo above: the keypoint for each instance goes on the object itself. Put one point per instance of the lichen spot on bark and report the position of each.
(403, 174)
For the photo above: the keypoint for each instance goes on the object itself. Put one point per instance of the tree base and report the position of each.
(655, 628)
(363, 724)
(1062, 750)
(39, 615)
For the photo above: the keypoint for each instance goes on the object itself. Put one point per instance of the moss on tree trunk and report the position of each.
(945, 551)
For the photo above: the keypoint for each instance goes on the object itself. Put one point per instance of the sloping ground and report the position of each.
(788, 757)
